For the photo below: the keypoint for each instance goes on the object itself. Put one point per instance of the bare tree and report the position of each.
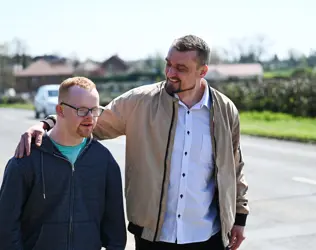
(19, 50)
(250, 49)
(216, 56)
(6, 69)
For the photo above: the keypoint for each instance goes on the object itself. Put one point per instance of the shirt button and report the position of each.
(183, 174)
(181, 196)
(188, 132)
(188, 112)
(179, 215)
(185, 153)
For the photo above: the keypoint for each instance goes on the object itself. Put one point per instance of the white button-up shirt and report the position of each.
(191, 214)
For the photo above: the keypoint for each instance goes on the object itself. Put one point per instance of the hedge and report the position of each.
(296, 97)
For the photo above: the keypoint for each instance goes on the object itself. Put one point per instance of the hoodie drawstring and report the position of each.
(43, 177)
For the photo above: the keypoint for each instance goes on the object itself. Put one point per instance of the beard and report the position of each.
(85, 131)
(173, 86)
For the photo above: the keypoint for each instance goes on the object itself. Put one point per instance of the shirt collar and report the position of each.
(206, 98)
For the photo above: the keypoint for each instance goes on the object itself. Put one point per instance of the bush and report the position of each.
(296, 97)
(12, 100)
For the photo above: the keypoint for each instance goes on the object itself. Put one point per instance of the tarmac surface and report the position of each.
(281, 177)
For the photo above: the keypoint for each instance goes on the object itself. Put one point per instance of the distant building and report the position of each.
(114, 65)
(42, 72)
(222, 72)
(89, 68)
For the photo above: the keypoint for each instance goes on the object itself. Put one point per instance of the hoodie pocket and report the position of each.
(52, 237)
(87, 236)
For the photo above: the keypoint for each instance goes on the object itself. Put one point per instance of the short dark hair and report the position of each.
(193, 43)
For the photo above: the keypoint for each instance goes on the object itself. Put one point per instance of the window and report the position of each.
(52, 93)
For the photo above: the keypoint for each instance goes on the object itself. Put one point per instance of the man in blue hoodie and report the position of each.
(68, 193)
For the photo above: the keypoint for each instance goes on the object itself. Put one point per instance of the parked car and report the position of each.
(45, 100)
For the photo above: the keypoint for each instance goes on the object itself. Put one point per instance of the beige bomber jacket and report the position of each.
(147, 115)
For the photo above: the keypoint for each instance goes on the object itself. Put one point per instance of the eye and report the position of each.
(82, 109)
(181, 69)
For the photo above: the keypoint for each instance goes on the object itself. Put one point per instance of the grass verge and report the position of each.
(279, 126)
(28, 106)
(265, 124)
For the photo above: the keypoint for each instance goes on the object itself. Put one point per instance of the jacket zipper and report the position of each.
(72, 196)
(164, 173)
(215, 165)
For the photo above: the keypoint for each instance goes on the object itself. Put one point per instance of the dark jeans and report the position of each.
(214, 243)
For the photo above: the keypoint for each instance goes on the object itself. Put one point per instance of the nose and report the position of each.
(170, 72)
(89, 114)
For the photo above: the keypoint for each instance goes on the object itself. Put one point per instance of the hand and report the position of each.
(37, 132)
(237, 237)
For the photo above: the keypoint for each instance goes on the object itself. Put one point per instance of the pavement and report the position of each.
(281, 177)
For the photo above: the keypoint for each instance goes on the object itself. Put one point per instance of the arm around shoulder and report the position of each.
(49, 122)
(112, 122)
(113, 228)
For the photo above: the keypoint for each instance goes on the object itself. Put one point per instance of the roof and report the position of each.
(236, 70)
(114, 59)
(88, 65)
(44, 68)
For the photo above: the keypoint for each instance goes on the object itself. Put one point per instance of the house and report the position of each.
(223, 72)
(114, 65)
(42, 72)
(89, 68)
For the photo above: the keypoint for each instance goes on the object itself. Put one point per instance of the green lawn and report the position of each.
(278, 73)
(280, 126)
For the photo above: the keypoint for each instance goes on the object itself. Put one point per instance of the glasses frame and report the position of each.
(88, 109)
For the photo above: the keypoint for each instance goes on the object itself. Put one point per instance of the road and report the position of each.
(281, 177)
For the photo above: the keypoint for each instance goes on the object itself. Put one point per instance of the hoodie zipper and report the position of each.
(71, 200)
(72, 196)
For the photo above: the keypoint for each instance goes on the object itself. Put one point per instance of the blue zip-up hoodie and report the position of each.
(46, 203)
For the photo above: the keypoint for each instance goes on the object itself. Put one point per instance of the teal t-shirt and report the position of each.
(71, 152)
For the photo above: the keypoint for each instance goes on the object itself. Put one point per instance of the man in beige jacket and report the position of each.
(184, 182)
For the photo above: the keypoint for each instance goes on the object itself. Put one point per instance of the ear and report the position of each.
(203, 71)
(59, 110)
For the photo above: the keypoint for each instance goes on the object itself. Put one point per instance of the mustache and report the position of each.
(87, 121)
(174, 79)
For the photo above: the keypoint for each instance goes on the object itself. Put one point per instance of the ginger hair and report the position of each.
(79, 81)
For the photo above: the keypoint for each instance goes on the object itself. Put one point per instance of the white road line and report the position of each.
(304, 180)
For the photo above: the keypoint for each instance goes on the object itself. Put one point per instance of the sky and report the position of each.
(135, 29)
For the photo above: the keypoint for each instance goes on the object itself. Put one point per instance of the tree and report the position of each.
(250, 49)
(294, 57)
(6, 69)
(19, 52)
(216, 56)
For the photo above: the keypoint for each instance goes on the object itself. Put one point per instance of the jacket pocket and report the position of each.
(52, 237)
(87, 236)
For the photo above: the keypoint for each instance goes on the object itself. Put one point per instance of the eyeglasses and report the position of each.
(96, 111)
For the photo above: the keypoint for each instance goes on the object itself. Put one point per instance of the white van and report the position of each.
(46, 99)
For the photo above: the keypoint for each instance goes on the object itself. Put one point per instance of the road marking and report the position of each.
(304, 180)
